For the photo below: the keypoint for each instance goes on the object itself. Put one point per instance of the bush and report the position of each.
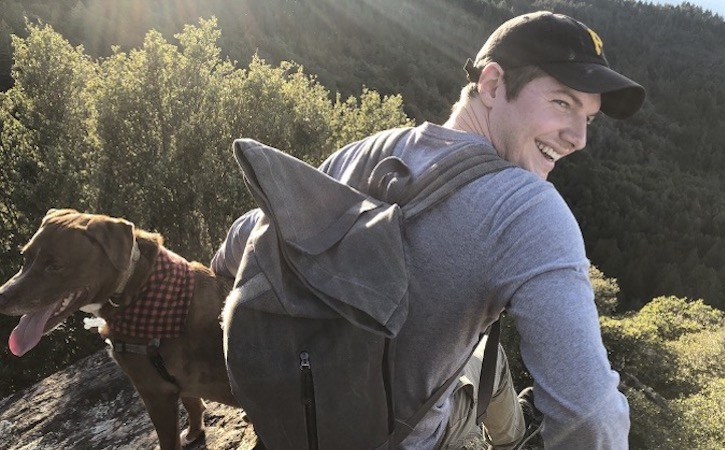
(147, 135)
(669, 318)
(653, 426)
(703, 415)
(701, 356)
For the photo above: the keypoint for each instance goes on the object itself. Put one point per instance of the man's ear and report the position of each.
(490, 83)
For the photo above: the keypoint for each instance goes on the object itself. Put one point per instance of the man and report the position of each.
(507, 241)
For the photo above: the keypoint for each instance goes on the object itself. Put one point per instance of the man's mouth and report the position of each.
(548, 152)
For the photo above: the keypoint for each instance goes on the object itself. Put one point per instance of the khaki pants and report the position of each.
(504, 423)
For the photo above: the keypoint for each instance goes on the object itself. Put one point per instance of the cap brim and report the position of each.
(621, 97)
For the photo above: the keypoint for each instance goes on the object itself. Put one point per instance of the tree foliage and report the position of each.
(672, 147)
(146, 135)
(108, 108)
(671, 356)
(648, 197)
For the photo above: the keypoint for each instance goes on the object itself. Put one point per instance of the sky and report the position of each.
(715, 6)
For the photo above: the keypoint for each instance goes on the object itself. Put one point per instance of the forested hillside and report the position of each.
(129, 109)
(650, 208)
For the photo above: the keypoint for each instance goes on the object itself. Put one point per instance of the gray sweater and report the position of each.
(505, 241)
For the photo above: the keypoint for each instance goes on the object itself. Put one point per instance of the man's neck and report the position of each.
(469, 117)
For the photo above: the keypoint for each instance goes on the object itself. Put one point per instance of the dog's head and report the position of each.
(73, 260)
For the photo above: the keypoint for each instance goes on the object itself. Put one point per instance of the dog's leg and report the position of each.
(160, 397)
(163, 408)
(195, 408)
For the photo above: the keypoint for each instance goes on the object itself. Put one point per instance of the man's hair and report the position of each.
(514, 79)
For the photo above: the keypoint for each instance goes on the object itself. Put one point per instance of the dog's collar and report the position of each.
(135, 256)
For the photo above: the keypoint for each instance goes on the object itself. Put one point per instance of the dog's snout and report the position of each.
(7, 291)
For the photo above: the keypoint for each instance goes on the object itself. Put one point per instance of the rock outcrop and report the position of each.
(92, 405)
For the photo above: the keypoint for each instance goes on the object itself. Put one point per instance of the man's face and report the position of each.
(544, 123)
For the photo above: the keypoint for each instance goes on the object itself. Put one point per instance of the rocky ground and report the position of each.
(92, 405)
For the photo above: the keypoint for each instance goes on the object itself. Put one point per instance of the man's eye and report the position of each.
(562, 104)
(592, 118)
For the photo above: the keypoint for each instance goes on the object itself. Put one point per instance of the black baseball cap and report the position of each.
(567, 50)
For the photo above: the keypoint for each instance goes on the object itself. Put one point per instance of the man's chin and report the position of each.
(544, 171)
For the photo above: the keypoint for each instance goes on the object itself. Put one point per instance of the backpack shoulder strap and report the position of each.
(488, 370)
(485, 386)
(355, 167)
(388, 178)
(443, 179)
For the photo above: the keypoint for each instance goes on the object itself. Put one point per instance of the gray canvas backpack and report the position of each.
(322, 291)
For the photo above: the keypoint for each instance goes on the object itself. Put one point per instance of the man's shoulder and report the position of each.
(517, 194)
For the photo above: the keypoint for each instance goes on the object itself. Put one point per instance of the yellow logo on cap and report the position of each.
(598, 44)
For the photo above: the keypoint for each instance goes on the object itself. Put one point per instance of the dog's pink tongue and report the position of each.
(30, 329)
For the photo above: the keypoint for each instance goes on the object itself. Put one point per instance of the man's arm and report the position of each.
(542, 268)
(226, 260)
(574, 385)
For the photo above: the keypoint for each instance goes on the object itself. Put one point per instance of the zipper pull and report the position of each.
(304, 361)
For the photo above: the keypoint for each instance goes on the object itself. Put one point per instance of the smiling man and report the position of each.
(506, 241)
(541, 80)
(536, 85)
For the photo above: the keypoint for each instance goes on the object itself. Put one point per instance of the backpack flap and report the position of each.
(326, 233)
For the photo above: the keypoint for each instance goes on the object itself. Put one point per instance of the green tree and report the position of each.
(703, 415)
(165, 136)
(147, 135)
(47, 135)
(671, 358)
(353, 119)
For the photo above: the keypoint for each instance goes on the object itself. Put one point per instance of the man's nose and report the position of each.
(576, 133)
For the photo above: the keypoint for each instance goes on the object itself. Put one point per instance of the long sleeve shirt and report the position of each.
(504, 241)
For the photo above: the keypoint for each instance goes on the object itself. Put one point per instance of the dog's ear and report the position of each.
(115, 236)
(52, 212)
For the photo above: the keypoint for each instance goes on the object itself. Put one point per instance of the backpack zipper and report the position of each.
(308, 400)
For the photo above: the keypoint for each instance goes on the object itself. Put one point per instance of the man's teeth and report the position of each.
(548, 152)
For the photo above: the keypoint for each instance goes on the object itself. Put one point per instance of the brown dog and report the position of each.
(161, 312)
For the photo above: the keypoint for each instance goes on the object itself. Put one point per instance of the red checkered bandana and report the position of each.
(159, 309)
